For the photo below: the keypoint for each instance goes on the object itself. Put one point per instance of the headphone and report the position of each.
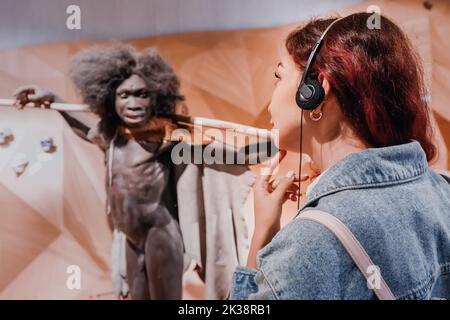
(310, 93)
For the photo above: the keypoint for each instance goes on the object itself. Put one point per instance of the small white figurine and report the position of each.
(6, 136)
(19, 164)
(47, 144)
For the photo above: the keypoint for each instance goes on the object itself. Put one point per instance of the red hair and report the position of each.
(376, 76)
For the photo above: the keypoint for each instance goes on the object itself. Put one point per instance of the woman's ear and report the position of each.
(325, 84)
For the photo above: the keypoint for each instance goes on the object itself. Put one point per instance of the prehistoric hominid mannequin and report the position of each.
(126, 89)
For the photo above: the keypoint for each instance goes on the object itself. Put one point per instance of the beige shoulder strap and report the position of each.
(353, 247)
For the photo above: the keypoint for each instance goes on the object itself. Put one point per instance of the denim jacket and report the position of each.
(396, 206)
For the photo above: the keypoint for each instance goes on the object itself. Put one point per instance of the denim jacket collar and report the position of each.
(372, 167)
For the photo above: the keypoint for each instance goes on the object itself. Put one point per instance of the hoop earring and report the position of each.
(315, 116)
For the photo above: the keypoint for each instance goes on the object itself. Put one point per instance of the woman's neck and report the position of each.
(326, 154)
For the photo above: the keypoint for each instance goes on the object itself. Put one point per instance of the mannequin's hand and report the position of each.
(41, 98)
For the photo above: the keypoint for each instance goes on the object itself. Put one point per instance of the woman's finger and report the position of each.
(266, 172)
(262, 182)
(292, 188)
(276, 181)
(314, 169)
(304, 177)
(283, 186)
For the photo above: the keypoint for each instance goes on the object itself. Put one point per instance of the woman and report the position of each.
(371, 138)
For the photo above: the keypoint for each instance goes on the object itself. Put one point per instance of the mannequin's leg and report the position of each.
(136, 276)
(164, 261)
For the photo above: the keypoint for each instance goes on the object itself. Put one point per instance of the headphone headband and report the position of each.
(316, 49)
(310, 94)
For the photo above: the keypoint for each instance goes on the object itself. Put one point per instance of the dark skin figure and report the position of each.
(142, 195)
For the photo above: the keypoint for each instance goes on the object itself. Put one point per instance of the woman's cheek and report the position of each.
(275, 107)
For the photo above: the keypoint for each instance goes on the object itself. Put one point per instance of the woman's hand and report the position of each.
(269, 197)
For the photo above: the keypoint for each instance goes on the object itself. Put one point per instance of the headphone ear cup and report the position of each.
(315, 100)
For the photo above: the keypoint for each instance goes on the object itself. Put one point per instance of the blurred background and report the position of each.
(224, 53)
(27, 22)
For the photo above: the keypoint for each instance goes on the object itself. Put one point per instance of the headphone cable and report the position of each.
(300, 162)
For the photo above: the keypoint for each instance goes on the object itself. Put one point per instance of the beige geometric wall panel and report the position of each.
(53, 216)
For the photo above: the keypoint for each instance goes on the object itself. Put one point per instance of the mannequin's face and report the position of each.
(133, 103)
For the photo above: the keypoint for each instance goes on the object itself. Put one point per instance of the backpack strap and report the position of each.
(352, 245)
